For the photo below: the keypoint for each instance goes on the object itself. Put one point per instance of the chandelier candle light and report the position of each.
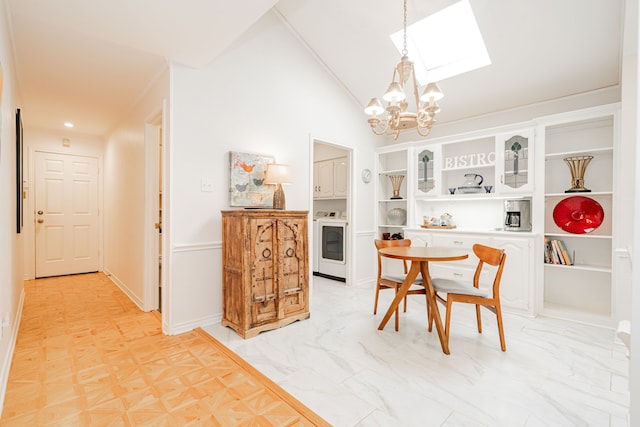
(398, 117)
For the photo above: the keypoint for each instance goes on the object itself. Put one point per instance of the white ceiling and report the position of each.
(88, 61)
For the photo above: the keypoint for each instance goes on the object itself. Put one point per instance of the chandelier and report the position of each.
(398, 117)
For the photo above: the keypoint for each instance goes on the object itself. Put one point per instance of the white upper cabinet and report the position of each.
(340, 178)
(514, 162)
(428, 160)
(330, 178)
(323, 179)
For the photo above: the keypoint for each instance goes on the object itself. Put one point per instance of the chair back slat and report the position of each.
(491, 256)
(387, 244)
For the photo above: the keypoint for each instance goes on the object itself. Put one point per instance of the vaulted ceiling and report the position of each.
(88, 61)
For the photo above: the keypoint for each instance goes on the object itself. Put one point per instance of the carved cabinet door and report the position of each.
(264, 292)
(290, 268)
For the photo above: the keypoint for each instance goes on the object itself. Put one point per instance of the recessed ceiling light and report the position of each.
(445, 44)
(68, 124)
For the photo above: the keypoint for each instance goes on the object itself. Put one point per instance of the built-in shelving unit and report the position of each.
(583, 291)
(431, 168)
(390, 163)
(524, 160)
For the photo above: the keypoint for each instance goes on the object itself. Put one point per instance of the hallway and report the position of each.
(87, 356)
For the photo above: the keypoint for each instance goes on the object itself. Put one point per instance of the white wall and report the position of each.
(50, 140)
(124, 195)
(11, 283)
(265, 95)
(630, 119)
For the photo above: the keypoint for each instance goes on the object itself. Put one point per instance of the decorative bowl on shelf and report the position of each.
(397, 216)
(578, 214)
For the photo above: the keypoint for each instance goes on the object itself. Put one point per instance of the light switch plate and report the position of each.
(206, 185)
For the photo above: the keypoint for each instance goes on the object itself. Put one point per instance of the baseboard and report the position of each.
(6, 365)
(191, 325)
(120, 284)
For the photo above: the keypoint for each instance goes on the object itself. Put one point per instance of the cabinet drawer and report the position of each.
(462, 241)
(452, 272)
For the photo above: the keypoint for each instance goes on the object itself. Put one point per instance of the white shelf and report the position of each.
(392, 200)
(392, 226)
(586, 194)
(595, 268)
(393, 172)
(466, 197)
(577, 236)
(589, 152)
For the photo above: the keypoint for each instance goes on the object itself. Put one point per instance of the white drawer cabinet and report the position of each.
(517, 286)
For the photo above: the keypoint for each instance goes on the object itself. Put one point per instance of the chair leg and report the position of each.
(405, 303)
(429, 319)
(375, 304)
(447, 322)
(503, 345)
(397, 311)
(479, 318)
(429, 315)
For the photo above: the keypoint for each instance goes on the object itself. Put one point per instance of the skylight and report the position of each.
(445, 44)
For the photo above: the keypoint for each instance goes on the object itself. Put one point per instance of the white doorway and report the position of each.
(66, 214)
(332, 210)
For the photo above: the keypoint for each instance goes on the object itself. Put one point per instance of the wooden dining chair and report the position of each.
(471, 293)
(394, 281)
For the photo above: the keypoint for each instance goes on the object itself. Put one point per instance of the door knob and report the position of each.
(40, 221)
(40, 212)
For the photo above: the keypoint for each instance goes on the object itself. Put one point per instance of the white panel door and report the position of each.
(66, 214)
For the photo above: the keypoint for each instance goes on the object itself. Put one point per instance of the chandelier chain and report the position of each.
(398, 115)
(404, 50)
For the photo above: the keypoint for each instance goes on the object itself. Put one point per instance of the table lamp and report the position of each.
(278, 174)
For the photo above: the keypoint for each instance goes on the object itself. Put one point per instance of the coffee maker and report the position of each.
(517, 215)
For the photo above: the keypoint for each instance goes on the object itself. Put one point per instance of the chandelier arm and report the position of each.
(379, 127)
(426, 131)
(416, 95)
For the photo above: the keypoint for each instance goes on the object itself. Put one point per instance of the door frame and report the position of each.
(155, 125)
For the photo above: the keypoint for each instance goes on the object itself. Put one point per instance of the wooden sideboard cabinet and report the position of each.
(265, 275)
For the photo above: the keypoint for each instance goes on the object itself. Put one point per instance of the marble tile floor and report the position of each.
(554, 373)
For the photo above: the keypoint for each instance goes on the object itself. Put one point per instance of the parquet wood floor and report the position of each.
(87, 356)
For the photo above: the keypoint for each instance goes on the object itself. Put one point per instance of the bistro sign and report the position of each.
(469, 160)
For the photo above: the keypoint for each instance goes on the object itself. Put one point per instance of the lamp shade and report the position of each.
(394, 93)
(432, 90)
(278, 174)
(374, 107)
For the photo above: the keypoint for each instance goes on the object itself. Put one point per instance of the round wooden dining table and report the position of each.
(420, 256)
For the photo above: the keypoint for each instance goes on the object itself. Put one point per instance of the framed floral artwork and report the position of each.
(246, 180)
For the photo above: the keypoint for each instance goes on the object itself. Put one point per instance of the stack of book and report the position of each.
(555, 252)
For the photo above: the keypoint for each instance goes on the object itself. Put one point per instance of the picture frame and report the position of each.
(246, 180)
(19, 173)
